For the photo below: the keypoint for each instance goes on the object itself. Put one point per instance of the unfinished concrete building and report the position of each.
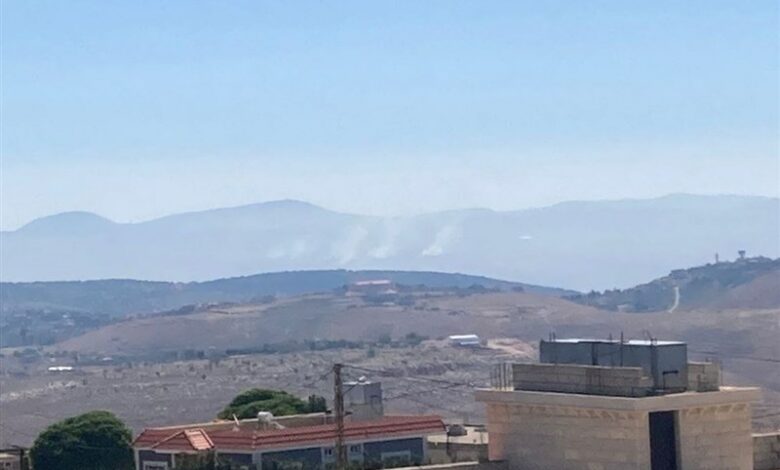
(617, 405)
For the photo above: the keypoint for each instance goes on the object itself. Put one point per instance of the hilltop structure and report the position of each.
(374, 287)
(615, 405)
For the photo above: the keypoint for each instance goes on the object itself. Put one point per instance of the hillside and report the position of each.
(117, 297)
(321, 316)
(46, 312)
(177, 360)
(430, 313)
(749, 283)
(577, 245)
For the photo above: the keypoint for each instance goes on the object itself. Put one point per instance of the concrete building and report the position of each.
(583, 408)
(465, 341)
(374, 287)
(10, 460)
(304, 441)
(461, 443)
(766, 451)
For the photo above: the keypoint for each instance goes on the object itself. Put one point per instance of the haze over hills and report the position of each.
(118, 297)
(577, 245)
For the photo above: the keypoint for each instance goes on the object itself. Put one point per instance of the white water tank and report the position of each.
(265, 420)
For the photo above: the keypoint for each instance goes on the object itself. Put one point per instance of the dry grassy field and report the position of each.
(147, 393)
(193, 391)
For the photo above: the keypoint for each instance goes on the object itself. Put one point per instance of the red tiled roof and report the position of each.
(184, 439)
(199, 439)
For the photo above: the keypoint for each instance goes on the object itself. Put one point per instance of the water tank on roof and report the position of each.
(266, 420)
(665, 361)
(363, 400)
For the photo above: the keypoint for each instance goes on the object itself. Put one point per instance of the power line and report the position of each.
(737, 356)
(314, 382)
(417, 392)
(435, 407)
(414, 396)
(386, 373)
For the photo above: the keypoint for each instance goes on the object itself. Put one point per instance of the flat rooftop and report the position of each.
(726, 395)
(630, 342)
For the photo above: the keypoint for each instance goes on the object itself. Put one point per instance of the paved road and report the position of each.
(676, 299)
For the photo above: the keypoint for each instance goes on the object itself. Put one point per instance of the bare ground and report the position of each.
(188, 391)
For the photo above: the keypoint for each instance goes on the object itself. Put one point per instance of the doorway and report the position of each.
(663, 440)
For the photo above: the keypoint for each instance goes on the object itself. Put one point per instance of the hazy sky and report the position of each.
(134, 109)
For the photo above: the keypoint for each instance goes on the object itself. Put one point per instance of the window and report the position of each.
(327, 452)
(396, 459)
(286, 465)
(355, 449)
(155, 466)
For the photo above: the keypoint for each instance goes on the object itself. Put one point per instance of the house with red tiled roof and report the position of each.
(305, 442)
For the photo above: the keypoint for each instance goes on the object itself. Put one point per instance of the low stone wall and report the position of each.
(766, 451)
(703, 376)
(591, 380)
(462, 466)
(441, 452)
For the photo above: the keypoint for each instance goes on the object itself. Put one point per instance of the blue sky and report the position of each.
(143, 108)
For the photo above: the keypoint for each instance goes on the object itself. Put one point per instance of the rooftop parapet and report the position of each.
(703, 376)
(598, 380)
(590, 380)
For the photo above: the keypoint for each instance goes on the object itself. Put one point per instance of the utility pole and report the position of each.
(338, 405)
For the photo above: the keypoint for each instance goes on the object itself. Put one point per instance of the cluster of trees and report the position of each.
(98, 440)
(280, 403)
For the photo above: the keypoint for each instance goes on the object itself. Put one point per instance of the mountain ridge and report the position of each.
(299, 203)
(579, 245)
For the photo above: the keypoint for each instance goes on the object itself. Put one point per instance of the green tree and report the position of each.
(92, 441)
(317, 404)
(247, 404)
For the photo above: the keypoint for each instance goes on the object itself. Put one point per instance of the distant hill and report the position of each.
(750, 283)
(116, 297)
(578, 245)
